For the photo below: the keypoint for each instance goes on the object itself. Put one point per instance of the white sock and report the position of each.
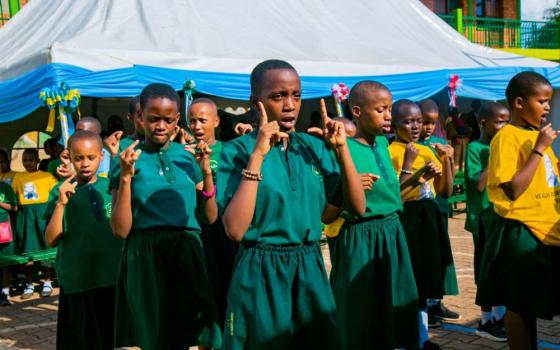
(423, 326)
(6, 291)
(47, 283)
(485, 316)
(29, 286)
(432, 302)
(498, 312)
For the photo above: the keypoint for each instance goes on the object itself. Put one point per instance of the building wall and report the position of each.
(506, 8)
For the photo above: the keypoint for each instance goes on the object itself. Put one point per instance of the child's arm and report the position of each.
(410, 155)
(239, 212)
(330, 214)
(121, 215)
(482, 179)
(56, 224)
(206, 189)
(444, 183)
(427, 172)
(352, 190)
(521, 179)
(8, 207)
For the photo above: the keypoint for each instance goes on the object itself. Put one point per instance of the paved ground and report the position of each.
(31, 324)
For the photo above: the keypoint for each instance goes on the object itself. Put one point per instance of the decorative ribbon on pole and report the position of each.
(188, 89)
(66, 102)
(454, 83)
(340, 93)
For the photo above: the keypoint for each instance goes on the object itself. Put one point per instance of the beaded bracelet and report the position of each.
(251, 175)
(408, 172)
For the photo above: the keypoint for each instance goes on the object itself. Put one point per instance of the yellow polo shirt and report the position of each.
(33, 188)
(397, 151)
(539, 206)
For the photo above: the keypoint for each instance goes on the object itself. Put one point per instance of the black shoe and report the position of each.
(428, 345)
(5, 300)
(440, 313)
(491, 330)
(433, 322)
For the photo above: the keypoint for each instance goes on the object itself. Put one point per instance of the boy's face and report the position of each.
(85, 155)
(30, 162)
(136, 118)
(535, 108)
(160, 116)
(280, 94)
(375, 116)
(492, 125)
(409, 127)
(203, 119)
(429, 121)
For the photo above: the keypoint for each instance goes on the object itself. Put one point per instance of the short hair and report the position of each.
(358, 93)
(523, 85)
(84, 135)
(428, 106)
(257, 75)
(49, 142)
(158, 90)
(95, 124)
(31, 151)
(403, 108)
(132, 104)
(490, 110)
(206, 101)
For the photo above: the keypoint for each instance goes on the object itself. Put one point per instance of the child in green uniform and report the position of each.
(492, 117)
(372, 279)
(219, 249)
(521, 261)
(164, 299)
(273, 186)
(32, 189)
(428, 243)
(8, 207)
(437, 312)
(88, 254)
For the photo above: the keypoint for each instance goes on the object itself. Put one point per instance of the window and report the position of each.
(480, 8)
(489, 8)
(32, 139)
(444, 7)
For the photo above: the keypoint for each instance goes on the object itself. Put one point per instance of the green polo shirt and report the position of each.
(8, 196)
(296, 185)
(88, 254)
(476, 160)
(385, 197)
(215, 158)
(53, 164)
(163, 188)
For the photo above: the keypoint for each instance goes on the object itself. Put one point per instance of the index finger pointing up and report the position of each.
(262, 112)
(324, 114)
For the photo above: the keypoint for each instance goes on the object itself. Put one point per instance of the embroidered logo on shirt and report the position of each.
(316, 171)
(2, 197)
(108, 209)
(213, 166)
(30, 191)
(551, 178)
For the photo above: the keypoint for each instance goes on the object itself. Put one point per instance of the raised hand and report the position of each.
(66, 189)
(242, 128)
(112, 142)
(201, 151)
(128, 158)
(333, 131)
(410, 155)
(368, 180)
(443, 151)
(428, 171)
(546, 137)
(269, 133)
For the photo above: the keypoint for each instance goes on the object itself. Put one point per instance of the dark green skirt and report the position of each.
(430, 250)
(517, 270)
(373, 286)
(220, 254)
(164, 299)
(280, 298)
(30, 228)
(86, 319)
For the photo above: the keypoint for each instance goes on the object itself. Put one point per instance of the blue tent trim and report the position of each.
(19, 96)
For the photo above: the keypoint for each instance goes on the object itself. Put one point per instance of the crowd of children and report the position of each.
(170, 238)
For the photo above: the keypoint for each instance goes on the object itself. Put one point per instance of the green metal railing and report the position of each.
(506, 33)
(8, 8)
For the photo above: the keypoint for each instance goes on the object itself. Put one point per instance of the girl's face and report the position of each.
(374, 117)
(429, 121)
(85, 156)
(409, 127)
(160, 116)
(280, 94)
(535, 108)
(30, 162)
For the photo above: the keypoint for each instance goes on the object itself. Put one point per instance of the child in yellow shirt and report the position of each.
(521, 261)
(32, 189)
(428, 242)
